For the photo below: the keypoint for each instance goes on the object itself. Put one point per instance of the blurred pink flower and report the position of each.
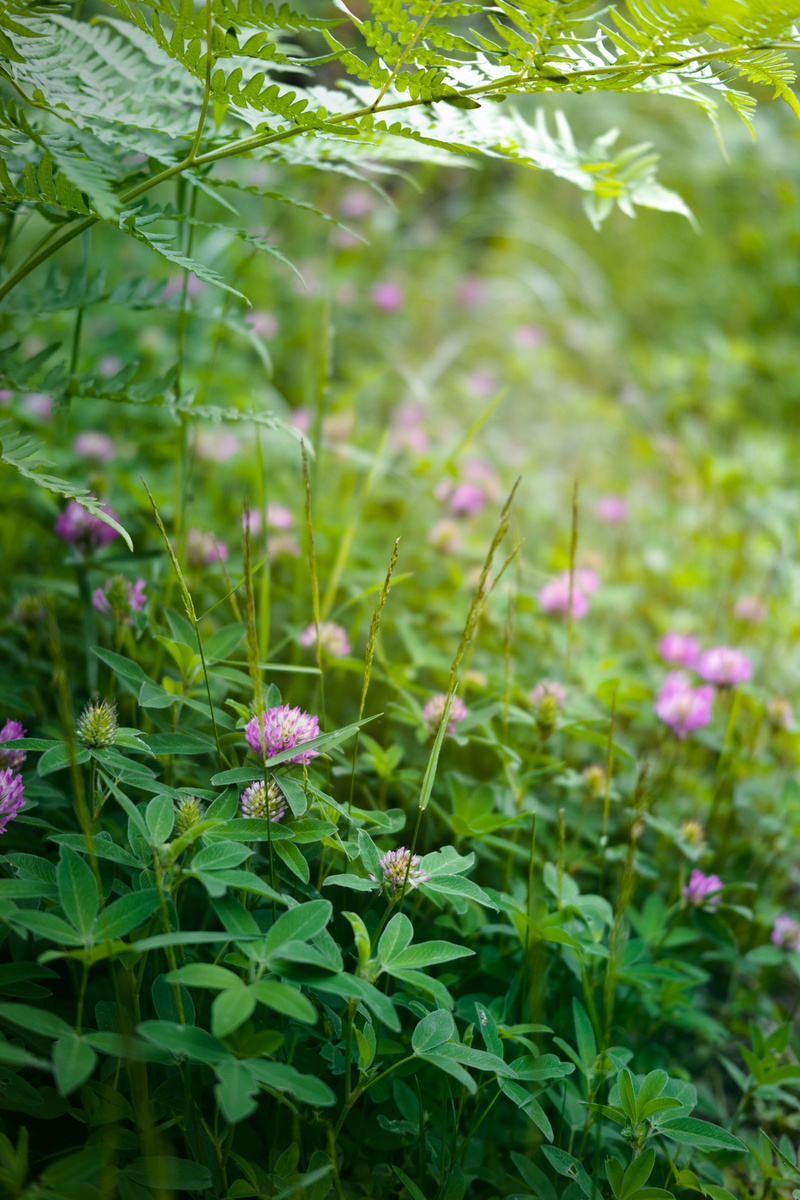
(279, 517)
(77, 525)
(683, 707)
(407, 428)
(252, 520)
(528, 337)
(264, 324)
(216, 445)
(701, 890)
(118, 594)
(548, 689)
(750, 609)
(301, 419)
(471, 291)
(205, 548)
(284, 544)
(108, 365)
(587, 579)
(445, 535)
(357, 202)
(6, 396)
(613, 509)
(434, 710)
(786, 933)
(482, 383)
(38, 404)
(680, 649)
(94, 445)
(554, 597)
(467, 500)
(332, 638)
(11, 797)
(387, 296)
(724, 666)
(194, 287)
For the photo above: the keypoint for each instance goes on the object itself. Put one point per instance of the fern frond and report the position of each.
(23, 454)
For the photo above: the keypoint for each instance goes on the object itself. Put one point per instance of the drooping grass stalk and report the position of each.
(312, 566)
(607, 793)
(188, 604)
(508, 638)
(372, 639)
(573, 548)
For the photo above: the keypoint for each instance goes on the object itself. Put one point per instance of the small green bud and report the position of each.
(97, 724)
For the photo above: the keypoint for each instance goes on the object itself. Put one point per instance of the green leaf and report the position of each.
(293, 859)
(284, 999)
(281, 1077)
(432, 1031)
(638, 1173)
(59, 757)
(231, 1009)
(427, 954)
(566, 1165)
(205, 975)
(584, 1034)
(127, 913)
(450, 1067)
(77, 891)
(395, 937)
(651, 1088)
(35, 1020)
(299, 924)
(222, 644)
(73, 1063)
(705, 1136)
(220, 855)
(163, 1172)
(627, 1095)
(47, 925)
(456, 885)
(355, 883)
(185, 1041)
(409, 1185)
(160, 818)
(236, 1091)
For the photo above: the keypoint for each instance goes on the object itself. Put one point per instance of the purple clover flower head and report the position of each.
(445, 535)
(587, 579)
(701, 890)
(554, 597)
(269, 804)
(724, 666)
(786, 933)
(263, 324)
(11, 797)
(332, 639)
(528, 337)
(119, 597)
(9, 733)
(280, 729)
(394, 865)
(387, 296)
(205, 548)
(434, 710)
(750, 609)
(612, 509)
(96, 446)
(77, 525)
(467, 500)
(680, 650)
(683, 707)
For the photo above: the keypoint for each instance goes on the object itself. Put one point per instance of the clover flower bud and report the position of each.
(547, 699)
(594, 781)
(786, 933)
(269, 804)
(332, 639)
(188, 813)
(693, 833)
(97, 725)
